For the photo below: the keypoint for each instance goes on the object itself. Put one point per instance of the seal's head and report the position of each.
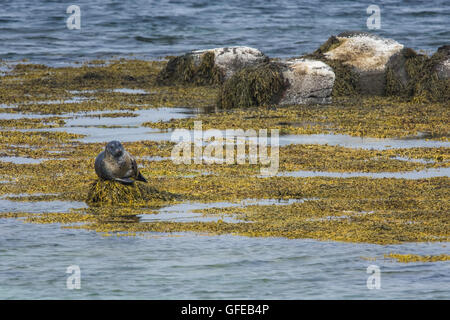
(115, 149)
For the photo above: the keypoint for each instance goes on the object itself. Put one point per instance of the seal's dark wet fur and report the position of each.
(114, 163)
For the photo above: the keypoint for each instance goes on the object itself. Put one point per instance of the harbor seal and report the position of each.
(114, 163)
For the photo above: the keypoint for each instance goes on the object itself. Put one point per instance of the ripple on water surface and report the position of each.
(39, 206)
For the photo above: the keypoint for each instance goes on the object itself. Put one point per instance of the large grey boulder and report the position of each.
(308, 81)
(367, 54)
(231, 59)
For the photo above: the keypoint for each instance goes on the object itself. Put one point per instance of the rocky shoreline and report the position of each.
(349, 64)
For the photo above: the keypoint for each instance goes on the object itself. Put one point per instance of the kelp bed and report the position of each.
(380, 117)
(359, 209)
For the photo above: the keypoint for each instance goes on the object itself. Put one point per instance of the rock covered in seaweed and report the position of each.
(398, 71)
(211, 66)
(185, 70)
(105, 192)
(253, 86)
(298, 81)
(410, 74)
(308, 81)
(349, 64)
(442, 66)
(359, 60)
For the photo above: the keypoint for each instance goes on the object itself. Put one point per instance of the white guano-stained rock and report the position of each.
(368, 54)
(309, 81)
(232, 59)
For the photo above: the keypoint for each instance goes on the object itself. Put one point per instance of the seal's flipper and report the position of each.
(140, 177)
(125, 181)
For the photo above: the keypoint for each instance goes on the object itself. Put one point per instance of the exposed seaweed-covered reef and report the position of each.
(365, 116)
(86, 87)
(386, 211)
(355, 209)
(381, 211)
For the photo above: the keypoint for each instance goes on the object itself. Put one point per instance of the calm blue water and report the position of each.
(34, 260)
(153, 28)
